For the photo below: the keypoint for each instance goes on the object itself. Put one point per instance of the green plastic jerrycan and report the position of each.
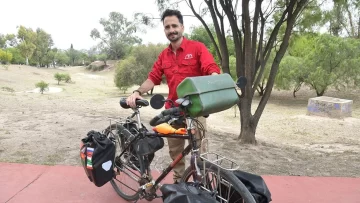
(208, 94)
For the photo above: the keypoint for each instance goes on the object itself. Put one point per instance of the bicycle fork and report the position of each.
(194, 152)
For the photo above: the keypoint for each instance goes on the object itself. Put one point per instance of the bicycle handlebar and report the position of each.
(164, 116)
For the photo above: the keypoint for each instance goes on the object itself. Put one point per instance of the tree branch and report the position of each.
(254, 36)
(207, 29)
(261, 55)
(279, 55)
(221, 17)
(236, 36)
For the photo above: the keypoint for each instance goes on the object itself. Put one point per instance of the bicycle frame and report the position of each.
(193, 148)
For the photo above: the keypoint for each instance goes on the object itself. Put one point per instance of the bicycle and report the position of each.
(208, 175)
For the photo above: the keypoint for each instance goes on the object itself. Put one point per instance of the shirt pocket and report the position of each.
(168, 68)
(188, 66)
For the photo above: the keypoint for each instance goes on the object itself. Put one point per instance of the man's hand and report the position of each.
(132, 98)
(214, 73)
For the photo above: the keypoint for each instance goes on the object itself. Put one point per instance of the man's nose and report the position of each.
(172, 30)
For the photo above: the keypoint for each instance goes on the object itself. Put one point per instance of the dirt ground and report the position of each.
(47, 128)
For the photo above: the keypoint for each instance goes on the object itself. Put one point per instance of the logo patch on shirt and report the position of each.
(188, 56)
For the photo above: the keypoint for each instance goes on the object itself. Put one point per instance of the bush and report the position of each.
(5, 57)
(66, 77)
(62, 77)
(58, 77)
(42, 86)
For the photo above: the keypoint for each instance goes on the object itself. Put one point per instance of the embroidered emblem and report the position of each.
(188, 56)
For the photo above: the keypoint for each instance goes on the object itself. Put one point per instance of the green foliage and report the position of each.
(199, 33)
(102, 57)
(66, 77)
(232, 66)
(135, 68)
(61, 58)
(62, 77)
(145, 57)
(27, 39)
(320, 61)
(5, 57)
(124, 73)
(42, 86)
(118, 36)
(17, 57)
(43, 44)
(58, 77)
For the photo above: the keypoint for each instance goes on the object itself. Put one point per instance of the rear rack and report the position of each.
(217, 159)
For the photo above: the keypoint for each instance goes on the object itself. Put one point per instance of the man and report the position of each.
(182, 58)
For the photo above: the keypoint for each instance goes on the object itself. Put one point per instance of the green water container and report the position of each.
(208, 94)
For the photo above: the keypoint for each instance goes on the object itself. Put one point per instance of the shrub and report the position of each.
(66, 77)
(42, 86)
(62, 77)
(58, 77)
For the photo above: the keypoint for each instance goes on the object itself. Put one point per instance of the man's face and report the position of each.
(173, 28)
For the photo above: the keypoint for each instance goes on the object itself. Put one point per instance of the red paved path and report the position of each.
(52, 184)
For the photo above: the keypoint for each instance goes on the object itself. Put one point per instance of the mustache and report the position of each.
(173, 33)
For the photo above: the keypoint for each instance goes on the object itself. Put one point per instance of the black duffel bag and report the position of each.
(185, 192)
(97, 153)
(254, 183)
(148, 145)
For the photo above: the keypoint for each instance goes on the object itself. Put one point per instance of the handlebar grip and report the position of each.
(154, 120)
(164, 116)
(170, 111)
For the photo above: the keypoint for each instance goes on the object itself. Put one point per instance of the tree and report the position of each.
(43, 45)
(27, 39)
(320, 61)
(5, 57)
(118, 35)
(254, 34)
(73, 55)
(61, 58)
(343, 18)
(42, 86)
(142, 58)
(330, 63)
(17, 57)
(124, 73)
(58, 77)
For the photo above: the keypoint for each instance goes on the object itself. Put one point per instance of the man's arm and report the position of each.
(145, 87)
(208, 65)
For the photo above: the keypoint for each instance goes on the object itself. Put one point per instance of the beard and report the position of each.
(173, 37)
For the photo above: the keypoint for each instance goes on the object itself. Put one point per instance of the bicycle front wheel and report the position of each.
(129, 167)
(227, 187)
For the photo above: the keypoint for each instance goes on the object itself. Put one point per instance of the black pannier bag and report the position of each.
(97, 153)
(146, 146)
(254, 183)
(149, 145)
(185, 193)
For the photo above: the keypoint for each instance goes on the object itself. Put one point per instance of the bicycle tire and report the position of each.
(238, 186)
(112, 181)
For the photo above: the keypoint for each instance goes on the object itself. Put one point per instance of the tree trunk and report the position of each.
(320, 93)
(27, 61)
(248, 126)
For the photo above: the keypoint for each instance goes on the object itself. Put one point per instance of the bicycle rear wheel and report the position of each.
(128, 167)
(227, 187)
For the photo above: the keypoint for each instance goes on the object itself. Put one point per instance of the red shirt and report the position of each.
(192, 59)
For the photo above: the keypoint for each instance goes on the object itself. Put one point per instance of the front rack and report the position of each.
(219, 160)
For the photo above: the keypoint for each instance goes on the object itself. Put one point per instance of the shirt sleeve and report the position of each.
(156, 73)
(207, 62)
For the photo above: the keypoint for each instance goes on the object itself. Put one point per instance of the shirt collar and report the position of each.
(182, 45)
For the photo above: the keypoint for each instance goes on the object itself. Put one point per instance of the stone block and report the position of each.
(329, 107)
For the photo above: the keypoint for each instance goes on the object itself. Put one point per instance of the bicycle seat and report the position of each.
(138, 102)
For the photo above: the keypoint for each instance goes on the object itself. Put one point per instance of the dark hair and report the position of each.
(169, 12)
